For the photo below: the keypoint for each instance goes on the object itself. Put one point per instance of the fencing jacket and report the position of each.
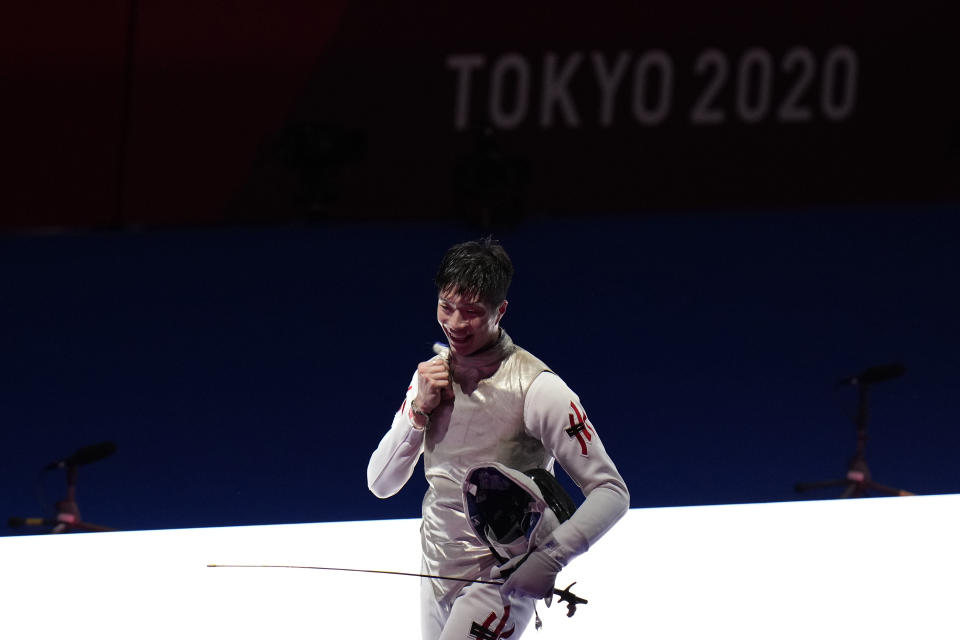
(522, 416)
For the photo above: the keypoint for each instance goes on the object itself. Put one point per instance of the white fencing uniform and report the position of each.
(522, 416)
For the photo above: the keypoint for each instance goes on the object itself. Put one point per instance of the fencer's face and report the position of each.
(468, 323)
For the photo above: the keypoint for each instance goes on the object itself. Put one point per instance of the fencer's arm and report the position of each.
(547, 414)
(394, 460)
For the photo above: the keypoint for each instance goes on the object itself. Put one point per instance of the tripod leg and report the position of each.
(823, 484)
(890, 491)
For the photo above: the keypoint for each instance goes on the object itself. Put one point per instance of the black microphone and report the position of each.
(85, 455)
(873, 375)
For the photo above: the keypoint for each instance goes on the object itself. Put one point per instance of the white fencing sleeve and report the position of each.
(392, 464)
(553, 414)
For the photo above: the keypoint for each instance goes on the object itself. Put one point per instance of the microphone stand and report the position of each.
(858, 482)
(68, 513)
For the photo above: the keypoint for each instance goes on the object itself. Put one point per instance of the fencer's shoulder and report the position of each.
(525, 364)
(549, 387)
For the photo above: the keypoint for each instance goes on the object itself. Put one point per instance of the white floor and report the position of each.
(876, 568)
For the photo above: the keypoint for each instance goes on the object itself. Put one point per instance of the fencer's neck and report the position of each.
(469, 370)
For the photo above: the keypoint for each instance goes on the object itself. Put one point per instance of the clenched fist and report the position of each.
(433, 383)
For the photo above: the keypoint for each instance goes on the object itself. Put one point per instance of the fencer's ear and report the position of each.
(502, 309)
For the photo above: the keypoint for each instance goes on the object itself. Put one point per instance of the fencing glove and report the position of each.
(531, 576)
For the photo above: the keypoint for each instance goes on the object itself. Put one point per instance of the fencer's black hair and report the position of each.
(478, 269)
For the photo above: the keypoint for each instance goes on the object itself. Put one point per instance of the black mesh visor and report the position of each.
(502, 508)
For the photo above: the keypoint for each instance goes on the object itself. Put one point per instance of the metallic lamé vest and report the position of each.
(484, 426)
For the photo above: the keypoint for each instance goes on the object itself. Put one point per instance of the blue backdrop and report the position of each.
(246, 374)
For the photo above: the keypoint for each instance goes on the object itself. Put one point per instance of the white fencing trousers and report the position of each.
(477, 613)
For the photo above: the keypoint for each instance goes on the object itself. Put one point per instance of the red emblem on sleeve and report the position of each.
(580, 428)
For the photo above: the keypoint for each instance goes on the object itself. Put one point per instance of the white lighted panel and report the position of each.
(869, 568)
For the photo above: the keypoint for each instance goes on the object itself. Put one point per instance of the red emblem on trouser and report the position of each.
(484, 632)
(580, 428)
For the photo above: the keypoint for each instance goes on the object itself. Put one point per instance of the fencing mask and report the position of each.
(511, 511)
